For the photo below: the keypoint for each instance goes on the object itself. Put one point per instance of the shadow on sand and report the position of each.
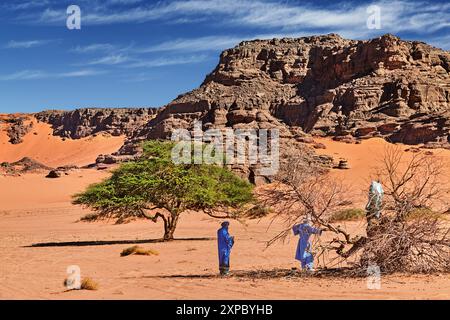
(267, 274)
(108, 242)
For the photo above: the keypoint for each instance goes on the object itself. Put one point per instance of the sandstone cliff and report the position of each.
(323, 85)
(81, 123)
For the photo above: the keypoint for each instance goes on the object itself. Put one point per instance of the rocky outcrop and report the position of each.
(318, 85)
(18, 127)
(24, 165)
(305, 87)
(322, 85)
(81, 123)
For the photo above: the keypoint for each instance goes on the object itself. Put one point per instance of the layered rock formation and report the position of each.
(17, 127)
(322, 85)
(81, 123)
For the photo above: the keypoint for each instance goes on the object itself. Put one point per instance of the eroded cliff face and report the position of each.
(318, 85)
(322, 85)
(81, 123)
(18, 128)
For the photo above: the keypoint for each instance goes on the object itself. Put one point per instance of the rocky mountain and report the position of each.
(323, 85)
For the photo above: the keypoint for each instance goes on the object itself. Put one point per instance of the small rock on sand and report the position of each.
(53, 174)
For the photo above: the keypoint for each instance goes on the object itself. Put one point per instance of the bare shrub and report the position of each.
(304, 188)
(400, 240)
(410, 184)
(419, 245)
(411, 236)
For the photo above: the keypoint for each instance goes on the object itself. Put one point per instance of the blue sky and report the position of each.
(144, 53)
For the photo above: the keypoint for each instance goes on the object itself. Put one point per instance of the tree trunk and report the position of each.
(170, 226)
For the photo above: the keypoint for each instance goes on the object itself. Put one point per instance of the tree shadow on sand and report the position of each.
(109, 242)
(269, 274)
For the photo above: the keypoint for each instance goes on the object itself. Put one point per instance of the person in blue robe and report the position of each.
(303, 253)
(225, 243)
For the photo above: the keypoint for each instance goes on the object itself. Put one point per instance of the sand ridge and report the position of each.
(41, 145)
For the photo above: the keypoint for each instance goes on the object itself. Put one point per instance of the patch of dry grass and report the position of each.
(348, 215)
(257, 211)
(86, 284)
(89, 284)
(424, 213)
(138, 251)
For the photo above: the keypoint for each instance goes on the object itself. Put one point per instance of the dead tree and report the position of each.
(304, 188)
(398, 242)
(403, 239)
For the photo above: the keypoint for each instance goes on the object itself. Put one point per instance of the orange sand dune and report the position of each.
(41, 145)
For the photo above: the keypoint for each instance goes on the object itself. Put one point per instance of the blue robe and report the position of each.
(304, 230)
(225, 243)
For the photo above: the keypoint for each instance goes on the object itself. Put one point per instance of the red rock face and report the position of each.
(17, 127)
(81, 123)
(324, 85)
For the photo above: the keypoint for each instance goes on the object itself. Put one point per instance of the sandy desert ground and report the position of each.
(35, 210)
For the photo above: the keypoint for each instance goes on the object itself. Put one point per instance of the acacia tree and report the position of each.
(154, 188)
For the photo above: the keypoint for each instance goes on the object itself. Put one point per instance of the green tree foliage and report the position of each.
(154, 187)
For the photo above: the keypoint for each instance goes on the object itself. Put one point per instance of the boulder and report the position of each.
(343, 164)
(53, 174)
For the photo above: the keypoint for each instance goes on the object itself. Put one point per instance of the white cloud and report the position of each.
(27, 44)
(24, 75)
(95, 47)
(195, 44)
(110, 60)
(38, 74)
(441, 42)
(422, 17)
(167, 61)
(124, 2)
(399, 15)
(212, 43)
(25, 5)
(79, 73)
